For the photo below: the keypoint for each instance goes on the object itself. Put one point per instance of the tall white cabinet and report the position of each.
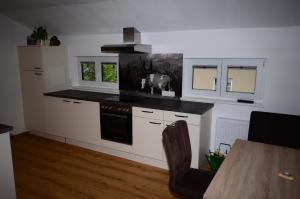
(42, 69)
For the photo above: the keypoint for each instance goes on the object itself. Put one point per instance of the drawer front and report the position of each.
(30, 58)
(147, 113)
(189, 118)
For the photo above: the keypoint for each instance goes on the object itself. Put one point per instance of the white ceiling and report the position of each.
(65, 17)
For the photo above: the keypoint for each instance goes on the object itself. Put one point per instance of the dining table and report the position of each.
(257, 170)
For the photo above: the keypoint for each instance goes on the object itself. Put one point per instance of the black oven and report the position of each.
(116, 122)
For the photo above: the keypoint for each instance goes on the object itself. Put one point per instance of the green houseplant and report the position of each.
(40, 34)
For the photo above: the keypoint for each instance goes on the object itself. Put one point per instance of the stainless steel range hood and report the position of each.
(131, 43)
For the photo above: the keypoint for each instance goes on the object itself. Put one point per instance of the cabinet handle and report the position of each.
(155, 123)
(38, 74)
(37, 68)
(77, 102)
(66, 101)
(147, 111)
(185, 116)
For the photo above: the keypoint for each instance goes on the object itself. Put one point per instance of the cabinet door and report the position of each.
(147, 137)
(194, 134)
(54, 56)
(30, 58)
(57, 117)
(33, 100)
(85, 117)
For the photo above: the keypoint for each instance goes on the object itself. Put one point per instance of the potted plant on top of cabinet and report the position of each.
(40, 34)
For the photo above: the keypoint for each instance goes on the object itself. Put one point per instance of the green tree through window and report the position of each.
(88, 71)
(109, 72)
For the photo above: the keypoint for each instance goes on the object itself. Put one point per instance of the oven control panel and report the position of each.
(116, 108)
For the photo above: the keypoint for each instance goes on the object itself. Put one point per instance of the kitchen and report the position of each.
(251, 42)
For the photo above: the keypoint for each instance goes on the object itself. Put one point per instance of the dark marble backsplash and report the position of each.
(150, 74)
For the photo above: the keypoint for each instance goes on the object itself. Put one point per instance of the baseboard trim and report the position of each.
(121, 154)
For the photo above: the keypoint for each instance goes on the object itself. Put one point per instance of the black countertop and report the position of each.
(5, 128)
(154, 103)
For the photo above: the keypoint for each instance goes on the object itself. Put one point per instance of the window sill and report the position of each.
(219, 100)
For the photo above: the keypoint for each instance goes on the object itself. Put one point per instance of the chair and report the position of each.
(275, 128)
(184, 181)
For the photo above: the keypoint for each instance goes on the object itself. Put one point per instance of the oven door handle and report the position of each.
(114, 115)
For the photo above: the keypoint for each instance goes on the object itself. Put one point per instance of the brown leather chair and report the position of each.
(184, 181)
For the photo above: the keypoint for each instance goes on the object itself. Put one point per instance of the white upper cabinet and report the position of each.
(40, 57)
(30, 58)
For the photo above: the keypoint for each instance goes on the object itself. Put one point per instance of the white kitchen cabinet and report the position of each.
(30, 58)
(147, 113)
(57, 117)
(75, 119)
(147, 134)
(148, 125)
(85, 118)
(33, 100)
(42, 69)
(40, 57)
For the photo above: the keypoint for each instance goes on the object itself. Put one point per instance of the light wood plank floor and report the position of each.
(48, 169)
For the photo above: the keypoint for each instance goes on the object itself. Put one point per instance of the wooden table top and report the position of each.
(251, 171)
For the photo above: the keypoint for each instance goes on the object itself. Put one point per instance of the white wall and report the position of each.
(11, 108)
(281, 47)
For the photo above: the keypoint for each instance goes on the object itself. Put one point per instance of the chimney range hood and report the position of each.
(131, 43)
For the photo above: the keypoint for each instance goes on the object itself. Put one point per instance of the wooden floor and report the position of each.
(49, 169)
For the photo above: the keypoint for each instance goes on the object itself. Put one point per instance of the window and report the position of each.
(100, 72)
(109, 72)
(244, 78)
(224, 78)
(88, 71)
(204, 77)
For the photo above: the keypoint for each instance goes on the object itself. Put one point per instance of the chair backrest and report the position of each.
(177, 145)
(275, 128)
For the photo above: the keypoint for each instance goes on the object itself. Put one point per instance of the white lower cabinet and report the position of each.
(85, 121)
(194, 126)
(148, 126)
(56, 116)
(147, 132)
(147, 137)
(75, 119)
(80, 120)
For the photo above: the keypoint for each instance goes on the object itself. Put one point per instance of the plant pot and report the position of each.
(41, 42)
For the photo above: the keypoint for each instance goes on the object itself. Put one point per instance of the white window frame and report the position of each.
(98, 83)
(189, 72)
(222, 67)
(258, 63)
